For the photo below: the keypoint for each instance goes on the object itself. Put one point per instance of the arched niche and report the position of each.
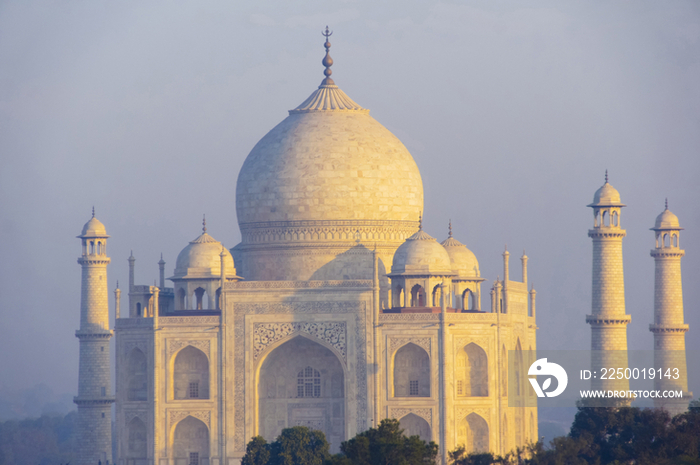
(191, 442)
(411, 372)
(191, 374)
(472, 374)
(473, 433)
(137, 384)
(301, 382)
(136, 444)
(417, 296)
(413, 425)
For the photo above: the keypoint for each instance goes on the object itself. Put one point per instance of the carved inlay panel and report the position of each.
(425, 413)
(396, 343)
(334, 333)
(177, 344)
(131, 414)
(177, 415)
(131, 345)
(461, 413)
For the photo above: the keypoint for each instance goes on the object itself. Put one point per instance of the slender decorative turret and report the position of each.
(668, 327)
(608, 319)
(94, 399)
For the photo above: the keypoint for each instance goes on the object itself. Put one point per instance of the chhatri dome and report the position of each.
(667, 220)
(606, 196)
(464, 262)
(421, 254)
(202, 258)
(327, 174)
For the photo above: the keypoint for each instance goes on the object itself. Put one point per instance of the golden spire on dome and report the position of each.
(327, 60)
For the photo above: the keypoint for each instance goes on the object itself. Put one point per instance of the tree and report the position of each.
(387, 445)
(298, 445)
(257, 452)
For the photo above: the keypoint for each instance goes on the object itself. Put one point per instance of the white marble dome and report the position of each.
(464, 262)
(202, 259)
(667, 220)
(421, 254)
(329, 160)
(606, 196)
(94, 228)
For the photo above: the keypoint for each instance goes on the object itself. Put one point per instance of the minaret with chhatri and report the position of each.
(668, 327)
(94, 399)
(608, 319)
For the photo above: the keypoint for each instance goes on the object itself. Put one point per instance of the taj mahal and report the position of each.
(336, 310)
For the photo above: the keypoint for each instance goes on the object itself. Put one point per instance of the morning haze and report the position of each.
(512, 114)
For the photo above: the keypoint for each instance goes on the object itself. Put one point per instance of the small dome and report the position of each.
(201, 259)
(464, 262)
(422, 254)
(94, 228)
(606, 196)
(667, 220)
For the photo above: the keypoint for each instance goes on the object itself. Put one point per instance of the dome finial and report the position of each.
(420, 221)
(327, 60)
(204, 223)
(93, 211)
(606, 176)
(666, 203)
(449, 234)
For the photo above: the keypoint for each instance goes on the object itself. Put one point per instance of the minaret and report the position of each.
(668, 327)
(608, 319)
(94, 398)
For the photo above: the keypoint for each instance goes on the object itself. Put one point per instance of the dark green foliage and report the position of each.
(257, 452)
(388, 445)
(38, 441)
(298, 445)
(615, 436)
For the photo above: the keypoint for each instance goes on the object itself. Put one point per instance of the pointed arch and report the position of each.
(137, 377)
(218, 298)
(181, 299)
(468, 302)
(137, 440)
(473, 433)
(191, 374)
(518, 372)
(614, 218)
(191, 442)
(413, 425)
(411, 372)
(301, 382)
(138, 308)
(199, 297)
(472, 374)
(417, 296)
(437, 295)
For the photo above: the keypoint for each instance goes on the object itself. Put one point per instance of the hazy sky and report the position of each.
(512, 110)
